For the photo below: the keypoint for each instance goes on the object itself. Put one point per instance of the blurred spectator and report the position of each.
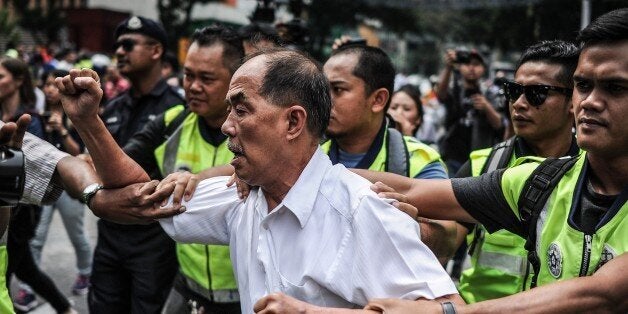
(66, 59)
(258, 36)
(431, 128)
(406, 109)
(170, 70)
(115, 84)
(473, 118)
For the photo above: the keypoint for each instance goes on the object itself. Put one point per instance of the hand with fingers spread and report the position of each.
(135, 203)
(401, 200)
(184, 183)
(243, 188)
(80, 94)
(12, 133)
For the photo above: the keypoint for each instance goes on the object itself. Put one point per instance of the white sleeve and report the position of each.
(388, 258)
(40, 163)
(208, 214)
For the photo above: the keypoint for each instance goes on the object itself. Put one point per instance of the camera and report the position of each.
(463, 56)
(11, 175)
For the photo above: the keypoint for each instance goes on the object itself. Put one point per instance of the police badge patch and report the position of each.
(607, 255)
(555, 260)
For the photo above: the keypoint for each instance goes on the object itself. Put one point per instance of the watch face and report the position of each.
(89, 191)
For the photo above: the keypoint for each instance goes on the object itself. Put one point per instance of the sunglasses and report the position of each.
(128, 44)
(535, 94)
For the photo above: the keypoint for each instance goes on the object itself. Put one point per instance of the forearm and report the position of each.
(399, 183)
(603, 292)
(440, 238)
(493, 117)
(443, 83)
(75, 175)
(115, 168)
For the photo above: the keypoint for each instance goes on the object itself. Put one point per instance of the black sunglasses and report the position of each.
(128, 44)
(535, 94)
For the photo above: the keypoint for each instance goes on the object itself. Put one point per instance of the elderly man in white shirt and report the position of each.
(312, 231)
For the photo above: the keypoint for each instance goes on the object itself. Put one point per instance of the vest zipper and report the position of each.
(586, 255)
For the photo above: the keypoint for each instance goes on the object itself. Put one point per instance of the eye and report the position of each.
(207, 79)
(583, 86)
(614, 88)
(239, 110)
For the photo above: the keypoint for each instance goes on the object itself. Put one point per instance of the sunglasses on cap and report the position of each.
(535, 94)
(128, 44)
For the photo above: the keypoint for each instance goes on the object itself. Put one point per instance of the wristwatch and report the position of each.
(89, 192)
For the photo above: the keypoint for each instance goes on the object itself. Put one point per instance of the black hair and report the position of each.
(54, 73)
(293, 77)
(255, 32)
(373, 67)
(557, 52)
(608, 28)
(19, 71)
(171, 59)
(415, 94)
(232, 53)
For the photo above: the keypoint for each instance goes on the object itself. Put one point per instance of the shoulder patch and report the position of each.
(555, 260)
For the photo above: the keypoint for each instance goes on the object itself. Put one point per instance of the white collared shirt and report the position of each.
(331, 241)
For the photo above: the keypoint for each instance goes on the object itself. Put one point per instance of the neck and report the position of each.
(10, 106)
(144, 82)
(608, 175)
(470, 84)
(214, 123)
(553, 146)
(359, 142)
(291, 169)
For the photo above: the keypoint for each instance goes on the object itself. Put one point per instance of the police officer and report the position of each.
(543, 127)
(194, 143)
(581, 228)
(360, 135)
(134, 265)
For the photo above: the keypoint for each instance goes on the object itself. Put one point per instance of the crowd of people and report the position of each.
(253, 178)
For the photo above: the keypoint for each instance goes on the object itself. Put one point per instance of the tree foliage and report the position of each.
(175, 15)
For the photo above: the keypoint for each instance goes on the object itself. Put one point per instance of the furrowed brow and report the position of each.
(236, 98)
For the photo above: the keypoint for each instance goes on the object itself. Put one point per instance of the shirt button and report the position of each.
(265, 226)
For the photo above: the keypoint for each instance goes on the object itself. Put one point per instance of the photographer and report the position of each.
(474, 119)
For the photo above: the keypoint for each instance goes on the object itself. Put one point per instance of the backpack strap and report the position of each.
(500, 156)
(172, 133)
(397, 159)
(533, 198)
(498, 159)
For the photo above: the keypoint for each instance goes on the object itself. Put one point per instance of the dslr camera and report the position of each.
(463, 56)
(11, 175)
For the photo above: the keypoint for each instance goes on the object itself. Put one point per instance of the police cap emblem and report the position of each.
(134, 23)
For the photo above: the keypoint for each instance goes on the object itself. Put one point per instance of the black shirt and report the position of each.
(125, 115)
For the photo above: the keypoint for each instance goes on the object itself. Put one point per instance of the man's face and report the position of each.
(472, 71)
(350, 113)
(135, 53)
(253, 126)
(552, 116)
(206, 81)
(600, 99)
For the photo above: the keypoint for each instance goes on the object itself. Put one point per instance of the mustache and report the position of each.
(234, 148)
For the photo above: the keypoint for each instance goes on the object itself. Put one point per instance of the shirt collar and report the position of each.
(522, 149)
(302, 196)
(158, 90)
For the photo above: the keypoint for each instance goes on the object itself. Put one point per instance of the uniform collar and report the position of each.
(522, 149)
(157, 90)
(371, 154)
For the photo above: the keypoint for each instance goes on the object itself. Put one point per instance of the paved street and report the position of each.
(59, 262)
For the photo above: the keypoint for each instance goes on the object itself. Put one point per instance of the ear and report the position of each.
(378, 100)
(158, 51)
(296, 118)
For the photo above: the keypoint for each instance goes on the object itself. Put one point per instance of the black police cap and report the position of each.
(142, 25)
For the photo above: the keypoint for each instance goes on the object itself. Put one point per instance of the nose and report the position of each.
(228, 127)
(594, 100)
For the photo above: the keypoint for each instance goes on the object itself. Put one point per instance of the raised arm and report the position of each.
(80, 96)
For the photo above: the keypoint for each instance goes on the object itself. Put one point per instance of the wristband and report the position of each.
(448, 307)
